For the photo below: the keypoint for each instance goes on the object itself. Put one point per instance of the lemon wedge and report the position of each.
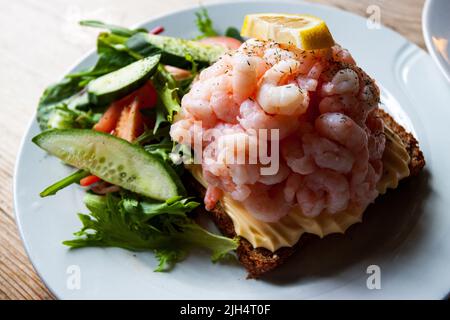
(304, 31)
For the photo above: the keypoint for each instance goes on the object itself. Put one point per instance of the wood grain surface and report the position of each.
(40, 40)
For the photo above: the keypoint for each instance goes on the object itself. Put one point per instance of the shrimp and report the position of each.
(377, 166)
(224, 107)
(236, 147)
(360, 167)
(370, 94)
(244, 173)
(306, 83)
(331, 147)
(253, 47)
(310, 81)
(343, 103)
(346, 104)
(252, 116)
(342, 129)
(222, 102)
(227, 177)
(221, 66)
(275, 54)
(324, 189)
(327, 154)
(293, 183)
(316, 70)
(344, 81)
(377, 138)
(196, 102)
(311, 203)
(365, 192)
(212, 196)
(281, 175)
(340, 54)
(187, 131)
(225, 183)
(296, 159)
(278, 98)
(363, 95)
(227, 155)
(267, 203)
(246, 72)
(200, 109)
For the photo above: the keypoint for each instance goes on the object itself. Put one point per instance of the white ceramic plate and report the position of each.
(436, 31)
(406, 233)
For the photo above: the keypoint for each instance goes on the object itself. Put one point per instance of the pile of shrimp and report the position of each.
(330, 140)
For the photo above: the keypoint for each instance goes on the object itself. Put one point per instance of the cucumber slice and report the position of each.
(117, 84)
(79, 101)
(174, 50)
(114, 160)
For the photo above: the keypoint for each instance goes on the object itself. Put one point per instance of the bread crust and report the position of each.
(259, 261)
(412, 145)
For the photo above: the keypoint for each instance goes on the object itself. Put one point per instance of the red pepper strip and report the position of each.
(157, 30)
(87, 181)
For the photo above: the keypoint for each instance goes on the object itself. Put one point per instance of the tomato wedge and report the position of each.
(227, 42)
(130, 124)
(146, 97)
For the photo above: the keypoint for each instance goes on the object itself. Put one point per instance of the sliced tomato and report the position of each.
(146, 96)
(177, 73)
(227, 42)
(108, 121)
(130, 125)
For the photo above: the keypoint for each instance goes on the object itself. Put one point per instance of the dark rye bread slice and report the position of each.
(259, 261)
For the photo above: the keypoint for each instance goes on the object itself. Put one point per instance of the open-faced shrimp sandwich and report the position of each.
(289, 138)
(281, 134)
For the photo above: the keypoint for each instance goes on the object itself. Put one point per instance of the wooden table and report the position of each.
(40, 40)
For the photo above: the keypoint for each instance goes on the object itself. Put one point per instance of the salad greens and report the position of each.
(61, 184)
(137, 225)
(111, 56)
(122, 218)
(167, 89)
(204, 24)
(56, 111)
(232, 32)
(114, 160)
(117, 30)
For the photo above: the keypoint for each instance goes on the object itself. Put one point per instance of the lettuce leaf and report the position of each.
(136, 224)
(167, 89)
(204, 24)
(114, 29)
(60, 108)
(65, 104)
(112, 55)
(232, 32)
